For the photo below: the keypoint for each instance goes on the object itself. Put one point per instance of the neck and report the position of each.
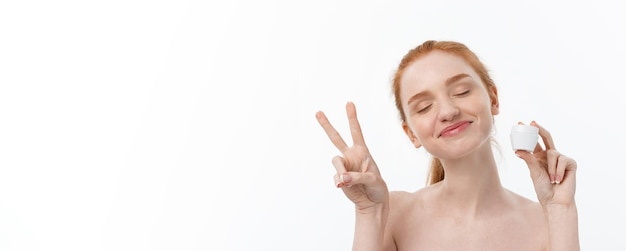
(472, 183)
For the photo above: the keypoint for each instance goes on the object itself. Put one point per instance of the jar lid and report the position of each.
(525, 129)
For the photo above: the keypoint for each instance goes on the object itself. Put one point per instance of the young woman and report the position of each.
(447, 103)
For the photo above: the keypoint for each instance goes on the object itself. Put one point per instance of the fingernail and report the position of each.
(345, 178)
(557, 180)
(552, 180)
(518, 155)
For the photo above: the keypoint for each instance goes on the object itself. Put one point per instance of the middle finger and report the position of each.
(355, 127)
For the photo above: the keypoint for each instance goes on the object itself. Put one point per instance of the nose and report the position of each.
(448, 110)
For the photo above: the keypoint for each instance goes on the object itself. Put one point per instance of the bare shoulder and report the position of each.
(399, 203)
(402, 201)
(407, 213)
(400, 198)
(406, 207)
(527, 207)
(532, 214)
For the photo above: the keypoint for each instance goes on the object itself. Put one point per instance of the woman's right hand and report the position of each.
(357, 173)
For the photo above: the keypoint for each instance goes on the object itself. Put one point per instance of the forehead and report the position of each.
(433, 69)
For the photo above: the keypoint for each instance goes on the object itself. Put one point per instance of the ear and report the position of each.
(495, 104)
(409, 133)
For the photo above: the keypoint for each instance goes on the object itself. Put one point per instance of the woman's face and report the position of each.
(447, 107)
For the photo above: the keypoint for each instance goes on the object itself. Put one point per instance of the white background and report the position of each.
(189, 125)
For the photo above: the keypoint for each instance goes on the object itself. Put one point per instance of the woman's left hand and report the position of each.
(553, 174)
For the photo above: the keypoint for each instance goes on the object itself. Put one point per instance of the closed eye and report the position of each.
(424, 109)
(462, 93)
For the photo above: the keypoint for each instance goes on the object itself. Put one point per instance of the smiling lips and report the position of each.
(455, 129)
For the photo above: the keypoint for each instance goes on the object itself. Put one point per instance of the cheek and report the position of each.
(477, 105)
(423, 127)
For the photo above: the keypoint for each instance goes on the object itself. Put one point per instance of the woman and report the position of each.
(447, 103)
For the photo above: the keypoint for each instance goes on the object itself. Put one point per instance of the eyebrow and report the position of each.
(448, 82)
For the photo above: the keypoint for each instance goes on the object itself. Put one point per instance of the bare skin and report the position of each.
(451, 116)
(420, 221)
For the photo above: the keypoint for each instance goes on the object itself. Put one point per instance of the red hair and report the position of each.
(436, 172)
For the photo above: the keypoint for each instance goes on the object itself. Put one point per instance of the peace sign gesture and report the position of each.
(357, 173)
(553, 174)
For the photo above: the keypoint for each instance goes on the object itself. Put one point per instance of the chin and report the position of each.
(459, 149)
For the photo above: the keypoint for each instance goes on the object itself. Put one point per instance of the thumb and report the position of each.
(531, 161)
(526, 156)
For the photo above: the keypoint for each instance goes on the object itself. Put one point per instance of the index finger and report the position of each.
(545, 136)
(333, 135)
(355, 127)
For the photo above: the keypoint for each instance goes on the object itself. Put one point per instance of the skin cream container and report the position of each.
(524, 137)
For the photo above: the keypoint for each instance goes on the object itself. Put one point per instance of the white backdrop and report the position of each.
(189, 125)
